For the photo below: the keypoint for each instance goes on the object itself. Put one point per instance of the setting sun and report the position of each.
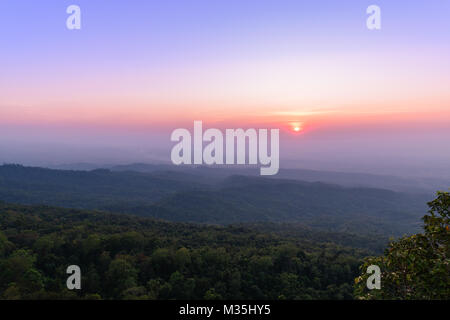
(296, 126)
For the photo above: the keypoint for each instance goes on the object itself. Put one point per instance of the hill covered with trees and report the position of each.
(187, 197)
(130, 257)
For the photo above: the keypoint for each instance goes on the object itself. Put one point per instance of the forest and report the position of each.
(130, 257)
(175, 235)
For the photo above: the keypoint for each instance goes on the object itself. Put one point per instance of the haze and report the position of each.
(112, 92)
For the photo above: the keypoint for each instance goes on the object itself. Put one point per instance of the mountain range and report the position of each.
(220, 196)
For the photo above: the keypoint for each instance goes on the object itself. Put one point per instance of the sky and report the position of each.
(363, 100)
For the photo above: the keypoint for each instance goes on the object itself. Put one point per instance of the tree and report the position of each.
(415, 267)
(120, 276)
(211, 294)
(4, 244)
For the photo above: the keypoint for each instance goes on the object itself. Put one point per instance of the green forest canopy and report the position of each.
(129, 257)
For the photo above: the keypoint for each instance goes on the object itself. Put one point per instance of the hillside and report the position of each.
(129, 257)
(347, 179)
(248, 199)
(186, 197)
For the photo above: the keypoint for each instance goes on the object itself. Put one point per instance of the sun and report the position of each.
(296, 126)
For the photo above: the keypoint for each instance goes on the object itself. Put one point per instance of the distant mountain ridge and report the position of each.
(187, 196)
(402, 184)
(348, 179)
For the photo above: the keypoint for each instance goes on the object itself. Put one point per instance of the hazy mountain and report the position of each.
(330, 207)
(188, 196)
(402, 184)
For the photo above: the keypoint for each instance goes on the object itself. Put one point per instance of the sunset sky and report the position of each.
(139, 69)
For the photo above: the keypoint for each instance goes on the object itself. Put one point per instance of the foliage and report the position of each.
(130, 257)
(415, 267)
